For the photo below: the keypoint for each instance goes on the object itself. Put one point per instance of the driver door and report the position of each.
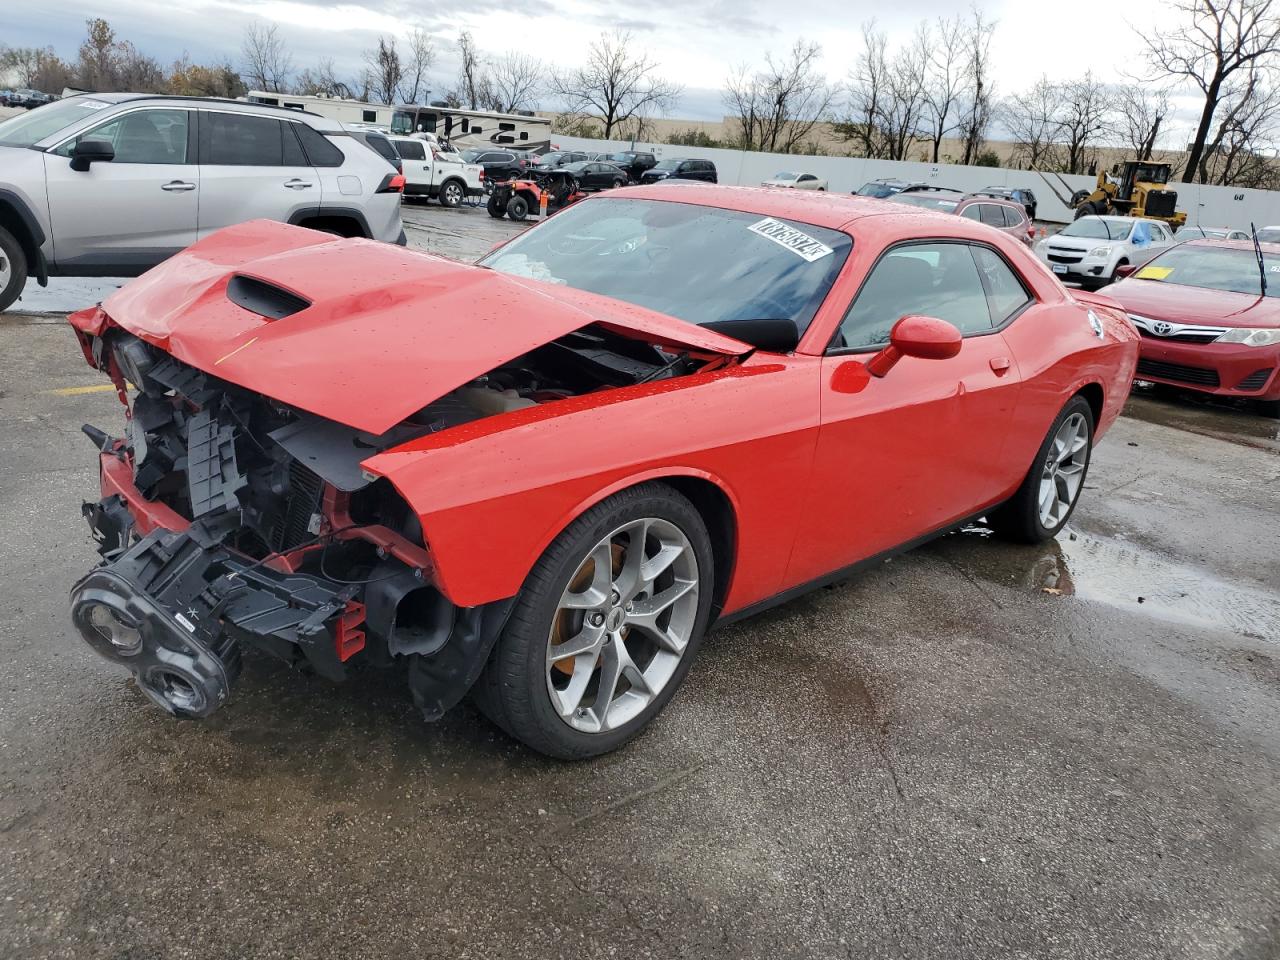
(125, 215)
(905, 455)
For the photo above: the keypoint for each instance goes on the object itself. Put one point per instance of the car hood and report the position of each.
(381, 331)
(1179, 303)
(1080, 244)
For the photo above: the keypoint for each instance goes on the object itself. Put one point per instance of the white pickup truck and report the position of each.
(430, 171)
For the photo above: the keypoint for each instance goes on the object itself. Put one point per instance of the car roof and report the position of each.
(1271, 248)
(833, 211)
(239, 106)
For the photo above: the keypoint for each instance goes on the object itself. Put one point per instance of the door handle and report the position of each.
(1000, 365)
(296, 184)
(178, 186)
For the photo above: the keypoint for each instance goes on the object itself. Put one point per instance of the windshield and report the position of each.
(667, 164)
(785, 175)
(28, 128)
(1214, 268)
(402, 122)
(471, 156)
(878, 190)
(930, 201)
(621, 158)
(697, 263)
(1095, 228)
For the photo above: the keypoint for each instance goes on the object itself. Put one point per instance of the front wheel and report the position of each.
(13, 269)
(1048, 494)
(495, 207)
(605, 627)
(517, 207)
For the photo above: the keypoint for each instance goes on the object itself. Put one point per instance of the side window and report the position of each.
(411, 149)
(232, 139)
(476, 128)
(973, 211)
(143, 136)
(1005, 291)
(1013, 218)
(323, 152)
(466, 125)
(991, 214)
(931, 279)
(370, 116)
(524, 134)
(293, 155)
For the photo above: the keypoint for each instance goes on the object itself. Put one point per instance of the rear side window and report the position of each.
(991, 215)
(411, 149)
(230, 139)
(1005, 291)
(382, 146)
(323, 152)
(931, 279)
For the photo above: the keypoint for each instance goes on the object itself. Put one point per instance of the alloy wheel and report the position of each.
(1063, 470)
(622, 625)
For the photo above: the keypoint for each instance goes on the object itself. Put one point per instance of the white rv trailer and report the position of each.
(461, 127)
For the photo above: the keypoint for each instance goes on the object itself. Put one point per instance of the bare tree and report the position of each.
(868, 87)
(267, 64)
(37, 68)
(979, 95)
(1246, 126)
(1218, 39)
(108, 63)
(616, 86)
(904, 106)
(322, 81)
(1033, 119)
(385, 70)
(422, 54)
(1141, 110)
(1084, 114)
(189, 79)
(514, 82)
(471, 87)
(944, 79)
(777, 108)
(886, 96)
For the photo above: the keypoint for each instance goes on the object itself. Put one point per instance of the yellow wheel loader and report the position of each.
(1134, 188)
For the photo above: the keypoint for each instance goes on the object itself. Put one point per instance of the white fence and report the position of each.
(1205, 205)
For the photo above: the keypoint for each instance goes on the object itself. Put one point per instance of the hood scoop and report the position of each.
(263, 298)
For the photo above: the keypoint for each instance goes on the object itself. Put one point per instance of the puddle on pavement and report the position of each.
(1233, 421)
(1123, 574)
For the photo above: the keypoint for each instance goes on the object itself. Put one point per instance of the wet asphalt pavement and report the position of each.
(976, 750)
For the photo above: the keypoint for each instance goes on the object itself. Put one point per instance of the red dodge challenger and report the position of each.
(539, 480)
(1209, 315)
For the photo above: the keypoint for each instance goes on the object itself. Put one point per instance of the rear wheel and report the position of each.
(495, 207)
(1085, 210)
(517, 207)
(13, 269)
(619, 183)
(605, 627)
(451, 193)
(1048, 494)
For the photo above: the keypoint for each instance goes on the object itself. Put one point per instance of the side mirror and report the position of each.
(90, 151)
(1124, 270)
(926, 338)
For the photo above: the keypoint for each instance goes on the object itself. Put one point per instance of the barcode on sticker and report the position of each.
(797, 241)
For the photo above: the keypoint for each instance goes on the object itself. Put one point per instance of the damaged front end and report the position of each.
(227, 519)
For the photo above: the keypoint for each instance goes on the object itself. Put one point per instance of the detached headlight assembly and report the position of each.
(1264, 337)
(1100, 252)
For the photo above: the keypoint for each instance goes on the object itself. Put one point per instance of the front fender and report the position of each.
(492, 494)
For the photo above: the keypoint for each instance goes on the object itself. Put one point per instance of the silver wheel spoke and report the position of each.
(616, 642)
(1064, 470)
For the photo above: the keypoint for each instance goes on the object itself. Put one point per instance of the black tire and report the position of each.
(517, 207)
(495, 207)
(1018, 519)
(619, 184)
(452, 193)
(14, 259)
(1085, 210)
(512, 691)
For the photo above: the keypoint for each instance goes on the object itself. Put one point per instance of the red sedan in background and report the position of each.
(540, 479)
(1205, 321)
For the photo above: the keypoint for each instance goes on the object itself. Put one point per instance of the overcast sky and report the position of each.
(696, 43)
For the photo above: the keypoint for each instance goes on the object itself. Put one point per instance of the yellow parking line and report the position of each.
(77, 391)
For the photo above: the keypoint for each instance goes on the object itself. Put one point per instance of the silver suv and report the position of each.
(111, 184)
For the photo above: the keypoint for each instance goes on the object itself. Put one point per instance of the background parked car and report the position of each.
(883, 189)
(1269, 234)
(592, 175)
(558, 158)
(1022, 195)
(1090, 249)
(111, 184)
(380, 144)
(437, 174)
(1004, 215)
(681, 169)
(1212, 233)
(499, 165)
(791, 180)
(634, 162)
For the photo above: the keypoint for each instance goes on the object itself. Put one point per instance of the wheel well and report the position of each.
(1092, 394)
(722, 527)
(343, 226)
(12, 221)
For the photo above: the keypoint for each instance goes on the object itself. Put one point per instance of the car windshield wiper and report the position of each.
(1257, 252)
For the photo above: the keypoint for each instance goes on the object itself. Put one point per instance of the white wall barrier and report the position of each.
(1207, 206)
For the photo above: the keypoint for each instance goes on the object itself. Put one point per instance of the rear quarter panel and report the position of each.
(493, 494)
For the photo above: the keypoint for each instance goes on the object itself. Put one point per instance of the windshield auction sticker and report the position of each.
(798, 242)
